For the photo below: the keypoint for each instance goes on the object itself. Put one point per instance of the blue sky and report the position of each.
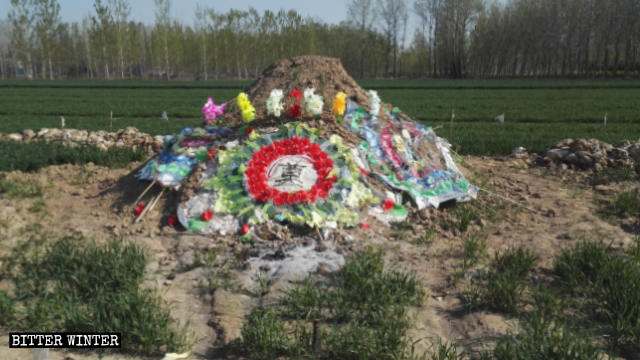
(330, 11)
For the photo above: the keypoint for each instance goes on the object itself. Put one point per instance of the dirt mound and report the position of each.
(325, 74)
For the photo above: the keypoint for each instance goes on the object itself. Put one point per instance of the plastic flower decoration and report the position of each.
(274, 103)
(374, 103)
(247, 110)
(313, 102)
(295, 111)
(210, 111)
(339, 103)
(295, 93)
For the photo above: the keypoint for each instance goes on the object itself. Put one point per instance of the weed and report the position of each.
(473, 248)
(22, 189)
(463, 215)
(39, 207)
(73, 286)
(263, 280)
(264, 336)
(363, 309)
(445, 351)
(626, 204)
(427, 237)
(501, 288)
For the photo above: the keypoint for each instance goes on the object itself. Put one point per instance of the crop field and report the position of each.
(537, 112)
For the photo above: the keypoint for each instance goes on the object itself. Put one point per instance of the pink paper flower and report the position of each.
(211, 111)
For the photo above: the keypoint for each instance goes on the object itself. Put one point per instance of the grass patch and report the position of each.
(608, 284)
(463, 214)
(626, 204)
(35, 155)
(20, 189)
(74, 286)
(501, 288)
(358, 313)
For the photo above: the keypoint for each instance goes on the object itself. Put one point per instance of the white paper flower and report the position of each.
(313, 102)
(274, 103)
(374, 103)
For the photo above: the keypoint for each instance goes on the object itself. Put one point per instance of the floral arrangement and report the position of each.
(181, 152)
(374, 103)
(295, 111)
(210, 111)
(256, 179)
(247, 110)
(313, 102)
(246, 180)
(274, 103)
(339, 105)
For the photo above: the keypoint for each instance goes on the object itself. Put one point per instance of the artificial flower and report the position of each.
(313, 102)
(211, 111)
(364, 225)
(374, 103)
(211, 154)
(295, 93)
(274, 103)
(247, 110)
(137, 211)
(388, 205)
(339, 103)
(248, 131)
(245, 229)
(172, 220)
(295, 111)
(207, 215)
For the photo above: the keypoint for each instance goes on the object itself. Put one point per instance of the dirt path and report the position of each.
(95, 203)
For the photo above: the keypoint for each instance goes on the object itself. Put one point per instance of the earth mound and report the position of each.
(325, 74)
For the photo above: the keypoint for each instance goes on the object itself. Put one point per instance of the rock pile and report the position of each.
(129, 137)
(592, 154)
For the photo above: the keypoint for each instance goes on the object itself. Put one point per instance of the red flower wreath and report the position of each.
(256, 178)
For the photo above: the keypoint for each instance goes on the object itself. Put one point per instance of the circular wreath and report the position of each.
(258, 167)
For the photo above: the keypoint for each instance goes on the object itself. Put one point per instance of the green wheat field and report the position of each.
(538, 112)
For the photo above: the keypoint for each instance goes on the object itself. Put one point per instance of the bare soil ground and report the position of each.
(96, 203)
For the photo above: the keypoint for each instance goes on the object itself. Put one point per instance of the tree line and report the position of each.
(454, 38)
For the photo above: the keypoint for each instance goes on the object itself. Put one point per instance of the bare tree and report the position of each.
(47, 18)
(393, 16)
(121, 10)
(21, 19)
(163, 23)
(201, 29)
(364, 16)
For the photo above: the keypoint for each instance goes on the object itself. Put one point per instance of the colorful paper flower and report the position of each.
(246, 109)
(388, 205)
(207, 215)
(274, 103)
(245, 229)
(295, 111)
(138, 210)
(339, 103)
(313, 102)
(295, 93)
(211, 111)
(248, 131)
(172, 220)
(365, 226)
(256, 178)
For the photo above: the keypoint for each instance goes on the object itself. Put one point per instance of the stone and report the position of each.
(14, 137)
(557, 154)
(28, 134)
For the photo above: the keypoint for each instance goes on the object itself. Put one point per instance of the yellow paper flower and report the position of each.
(339, 103)
(247, 110)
